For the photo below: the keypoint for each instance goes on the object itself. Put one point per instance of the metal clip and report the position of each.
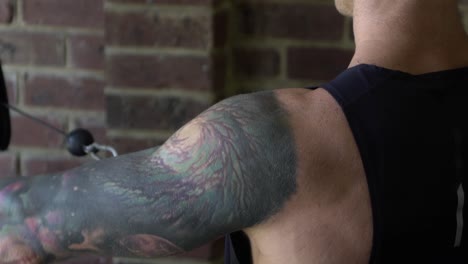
(94, 148)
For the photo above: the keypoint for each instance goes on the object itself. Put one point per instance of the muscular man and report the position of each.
(370, 167)
(382, 166)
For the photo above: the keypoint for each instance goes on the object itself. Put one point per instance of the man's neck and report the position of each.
(413, 36)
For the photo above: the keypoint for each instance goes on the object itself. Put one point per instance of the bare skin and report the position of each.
(249, 163)
(328, 219)
(417, 37)
(411, 36)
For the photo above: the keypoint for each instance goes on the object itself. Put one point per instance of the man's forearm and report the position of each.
(117, 207)
(231, 167)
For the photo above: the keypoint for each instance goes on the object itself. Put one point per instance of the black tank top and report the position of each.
(412, 134)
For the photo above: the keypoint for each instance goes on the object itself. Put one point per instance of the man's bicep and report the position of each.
(240, 154)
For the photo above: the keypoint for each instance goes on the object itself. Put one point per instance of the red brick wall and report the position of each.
(133, 71)
(288, 44)
(52, 53)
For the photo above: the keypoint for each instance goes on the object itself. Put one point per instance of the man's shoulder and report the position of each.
(314, 113)
(321, 130)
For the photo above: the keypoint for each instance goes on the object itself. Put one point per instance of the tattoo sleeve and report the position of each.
(230, 168)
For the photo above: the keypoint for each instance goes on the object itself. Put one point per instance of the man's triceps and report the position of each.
(230, 168)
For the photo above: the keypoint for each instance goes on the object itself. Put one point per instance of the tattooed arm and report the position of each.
(215, 175)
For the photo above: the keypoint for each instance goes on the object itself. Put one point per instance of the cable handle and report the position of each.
(94, 148)
(80, 142)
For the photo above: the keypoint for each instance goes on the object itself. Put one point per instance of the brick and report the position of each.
(219, 76)
(153, 29)
(125, 145)
(143, 112)
(27, 133)
(7, 165)
(64, 92)
(160, 71)
(63, 13)
(44, 164)
(317, 64)
(6, 11)
(11, 83)
(255, 62)
(294, 21)
(87, 52)
(32, 48)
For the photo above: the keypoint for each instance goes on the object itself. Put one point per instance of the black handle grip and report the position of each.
(5, 125)
(77, 140)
